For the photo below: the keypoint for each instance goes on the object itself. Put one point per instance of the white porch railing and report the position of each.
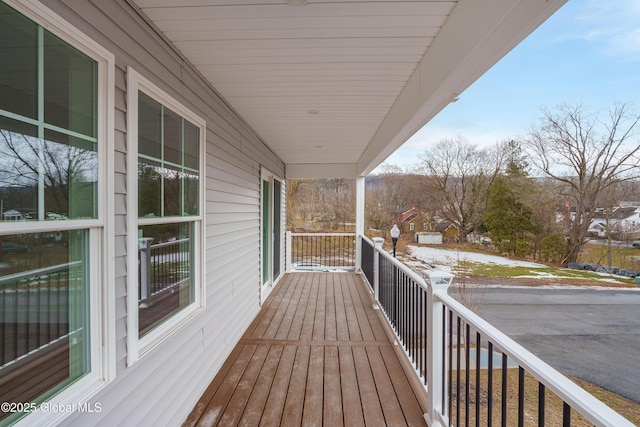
(454, 351)
(321, 251)
(163, 267)
(34, 309)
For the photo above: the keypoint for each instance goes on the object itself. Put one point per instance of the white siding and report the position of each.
(163, 387)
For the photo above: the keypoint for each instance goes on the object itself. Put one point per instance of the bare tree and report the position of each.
(304, 206)
(461, 174)
(387, 193)
(58, 169)
(338, 201)
(586, 157)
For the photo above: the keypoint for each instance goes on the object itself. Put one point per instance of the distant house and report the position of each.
(412, 220)
(622, 222)
(448, 230)
(16, 215)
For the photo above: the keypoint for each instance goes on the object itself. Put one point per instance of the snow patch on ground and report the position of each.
(447, 259)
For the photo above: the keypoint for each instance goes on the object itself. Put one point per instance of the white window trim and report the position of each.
(136, 346)
(101, 236)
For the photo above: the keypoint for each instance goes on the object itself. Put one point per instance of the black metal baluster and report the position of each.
(478, 354)
(458, 370)
(28, 337)
(58, 320)
(413, 332)
(450, 366)
(14, 347)
(504, 390)
(405, 304)
(48, 313)
(3, 326)
(541, 390)
(490, 383)
(467, 389)
(423, 330)
(444, 346)
(520, 396)
(566, 415)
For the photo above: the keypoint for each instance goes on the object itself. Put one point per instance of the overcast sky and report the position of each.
(588, 53)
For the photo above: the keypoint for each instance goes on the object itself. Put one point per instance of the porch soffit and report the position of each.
(334, 87)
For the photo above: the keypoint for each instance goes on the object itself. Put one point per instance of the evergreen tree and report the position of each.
(508, 219)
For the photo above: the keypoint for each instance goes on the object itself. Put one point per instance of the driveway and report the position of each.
(585, 333)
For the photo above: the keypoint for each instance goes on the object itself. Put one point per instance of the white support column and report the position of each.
(360, 189)
(288, 243)
(377, 247)
(144, 246)
(437, 284)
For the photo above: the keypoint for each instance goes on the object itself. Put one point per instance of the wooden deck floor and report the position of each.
(317, 354)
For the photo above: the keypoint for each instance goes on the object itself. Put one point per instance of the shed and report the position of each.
(429, 238)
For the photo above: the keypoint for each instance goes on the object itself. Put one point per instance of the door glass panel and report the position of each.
(277, 194)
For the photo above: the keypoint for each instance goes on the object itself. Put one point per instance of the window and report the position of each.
(425, 226)
(53, 145)
(412, 226)
(166, 149)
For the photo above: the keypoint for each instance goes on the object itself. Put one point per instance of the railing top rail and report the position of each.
(10, 278)
(169, 243)
(589, 406)
(323, 234)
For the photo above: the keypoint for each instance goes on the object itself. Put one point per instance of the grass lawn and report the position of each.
(628, 258)
(571, 276)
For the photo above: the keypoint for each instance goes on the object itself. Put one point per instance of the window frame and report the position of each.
(138, 346)
(102, 331)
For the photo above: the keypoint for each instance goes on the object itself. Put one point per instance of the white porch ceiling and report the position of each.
(334, 87)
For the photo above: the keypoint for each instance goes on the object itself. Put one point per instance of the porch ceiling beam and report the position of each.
(475, 36)
(321, 170)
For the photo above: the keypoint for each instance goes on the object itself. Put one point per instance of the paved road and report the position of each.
(589, 334)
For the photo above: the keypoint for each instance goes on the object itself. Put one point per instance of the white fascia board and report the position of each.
(474, 38)
(320, 170)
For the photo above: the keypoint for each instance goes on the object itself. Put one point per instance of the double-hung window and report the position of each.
(54, 116)
(165, 213)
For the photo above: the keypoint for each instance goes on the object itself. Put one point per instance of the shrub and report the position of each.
(552, 248)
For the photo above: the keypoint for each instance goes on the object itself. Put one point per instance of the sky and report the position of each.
(587, 53)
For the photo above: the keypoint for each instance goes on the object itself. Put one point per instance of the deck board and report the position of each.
(318, 353)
